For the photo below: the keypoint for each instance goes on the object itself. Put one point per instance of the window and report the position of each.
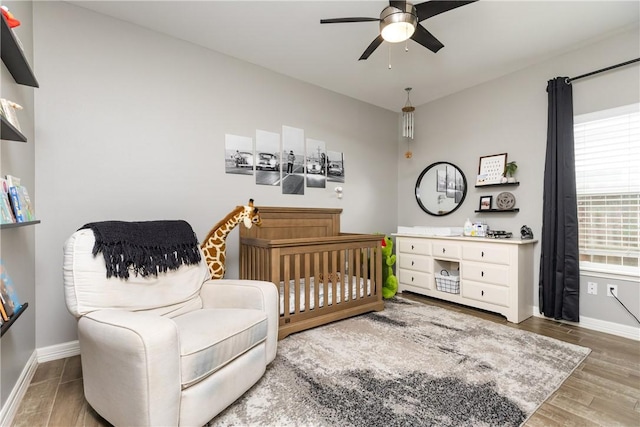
(607, 149)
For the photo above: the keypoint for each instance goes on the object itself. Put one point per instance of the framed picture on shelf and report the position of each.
(485, 203)
(491, 169)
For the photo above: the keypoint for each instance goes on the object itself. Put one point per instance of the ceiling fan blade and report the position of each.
(398, 4)
(426, 39)
(341, 20)
(368, 51)
(432, 8)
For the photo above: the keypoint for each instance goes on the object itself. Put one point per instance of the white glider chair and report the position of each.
(168, 350)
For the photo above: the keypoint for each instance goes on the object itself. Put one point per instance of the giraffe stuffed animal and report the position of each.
(215, 244)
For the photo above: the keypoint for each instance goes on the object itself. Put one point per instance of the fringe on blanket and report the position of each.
(146, 248)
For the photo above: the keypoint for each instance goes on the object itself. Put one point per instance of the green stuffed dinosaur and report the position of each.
(389, 280)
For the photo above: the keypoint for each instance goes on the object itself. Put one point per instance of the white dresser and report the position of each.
(495, 274)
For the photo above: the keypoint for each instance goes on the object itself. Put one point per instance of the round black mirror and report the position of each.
(441, 188)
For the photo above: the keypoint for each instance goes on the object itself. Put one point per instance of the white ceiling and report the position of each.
(482, 40)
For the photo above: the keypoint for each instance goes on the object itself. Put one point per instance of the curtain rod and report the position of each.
(603, 70)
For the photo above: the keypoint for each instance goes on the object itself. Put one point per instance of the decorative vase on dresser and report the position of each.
(495, 274)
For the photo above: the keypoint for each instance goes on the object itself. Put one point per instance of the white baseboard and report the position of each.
(58, 351)
(624, 331)
(10, 407)
(610, 328)
(40, 355)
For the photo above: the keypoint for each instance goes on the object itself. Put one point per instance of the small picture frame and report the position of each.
(491, 169)
(485, 203)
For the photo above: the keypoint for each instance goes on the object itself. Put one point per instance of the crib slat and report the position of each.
(252, 266)
(317, 283)
(296, 284)
(357, 255)
(286, 273)
(365, 271)
(334, 294)
(307, 282)
(325, 282)
(345, 266)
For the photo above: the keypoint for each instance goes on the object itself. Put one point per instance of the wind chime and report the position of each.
(407, 123)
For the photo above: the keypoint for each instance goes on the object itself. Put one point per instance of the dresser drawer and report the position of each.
(416, 262)
(415, 278)
(445, 250)
(495, 253)
(487, 273)
(411, 246)
(498, 295)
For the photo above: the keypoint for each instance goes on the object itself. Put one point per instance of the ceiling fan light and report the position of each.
(397, 32)
(397, 25)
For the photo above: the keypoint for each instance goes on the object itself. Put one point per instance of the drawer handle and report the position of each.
(412, 262)
(482, 273)
(482, 254)
(482, 293)
(411, 247)
(443, 250)
(412, 278)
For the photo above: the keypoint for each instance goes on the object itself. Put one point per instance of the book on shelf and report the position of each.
(10, 301)
(6, 309)
(15, 204)
(20, 201)
(12, 180)
(3, 313)
(25, 202)
(6, 211)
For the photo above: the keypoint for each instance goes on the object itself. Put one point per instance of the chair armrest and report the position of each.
(253, 294)
(131, 366)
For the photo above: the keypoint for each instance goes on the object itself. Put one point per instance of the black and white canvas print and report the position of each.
(292, 160)
(267, 157)
(316, 164)
(335, 167)
(238, 157)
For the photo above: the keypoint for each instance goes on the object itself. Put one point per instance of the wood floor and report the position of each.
(603, 391)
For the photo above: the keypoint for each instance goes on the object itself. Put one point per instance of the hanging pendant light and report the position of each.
(408, 121)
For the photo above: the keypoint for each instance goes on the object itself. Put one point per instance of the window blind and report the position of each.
(607, 155)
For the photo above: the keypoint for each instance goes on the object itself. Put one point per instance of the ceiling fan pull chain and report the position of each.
(389, 55)
(406, 42)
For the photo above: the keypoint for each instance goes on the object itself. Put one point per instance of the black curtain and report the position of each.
(559, 284)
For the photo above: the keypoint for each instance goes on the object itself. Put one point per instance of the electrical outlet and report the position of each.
(592, 288)
(612, 290)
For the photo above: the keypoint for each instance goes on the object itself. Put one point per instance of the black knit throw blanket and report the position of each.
(147, 247)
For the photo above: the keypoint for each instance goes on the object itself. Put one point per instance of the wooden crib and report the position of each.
(324, 275)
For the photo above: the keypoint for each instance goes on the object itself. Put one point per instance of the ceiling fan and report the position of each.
(400, 21)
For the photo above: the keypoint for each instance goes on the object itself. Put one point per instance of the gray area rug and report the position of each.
(409, 365)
